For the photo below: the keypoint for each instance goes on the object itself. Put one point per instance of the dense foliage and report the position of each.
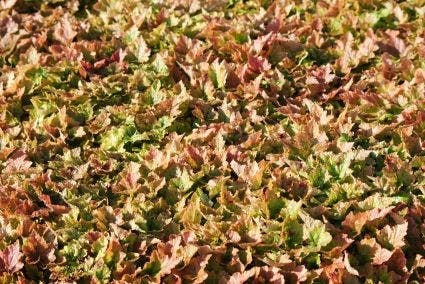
(180, 141)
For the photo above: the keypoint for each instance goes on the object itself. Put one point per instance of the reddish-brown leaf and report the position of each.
(10, 259)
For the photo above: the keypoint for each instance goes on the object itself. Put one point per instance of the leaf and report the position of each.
(370, 250)
(348, 266)
(113, 139)
(113, 253)
(393, 237)
(319, 79)
(17, 163)
(275, 205)
(398, 262)
(318, 236)
(117, 137)
(153, 267)
(36, 75)
(159, 65)
(41, 109)
(251, 173)
(10, 259)
(314, 232)
(218, 74)
(164, 258)
(258, 65)
(7, 4)
(64, 31)
(294, 233)
(73, 251)
(142, 51)
(183, 181)
(37, 250)
(242, 277)
(155, 95)
(130, 177)
(191, 215)
(160, 127)
(270, 275)
(355, 222)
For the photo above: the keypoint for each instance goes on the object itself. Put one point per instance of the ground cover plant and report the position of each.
(211, 141)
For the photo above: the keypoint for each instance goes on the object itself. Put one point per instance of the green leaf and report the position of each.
(73, 251)
(292, 209)
(41, 108)
(103, 273)
(160, 127)
(218, 74)
(116, 138)
(153, 267)
(113, 139)
(154, 93)
(183, 181)
(159, 65)
(275, 205)
(36, 75)
(294, 232)
(318, 236)
(315, 232)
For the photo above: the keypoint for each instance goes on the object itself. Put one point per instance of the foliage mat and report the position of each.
(210, 141)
